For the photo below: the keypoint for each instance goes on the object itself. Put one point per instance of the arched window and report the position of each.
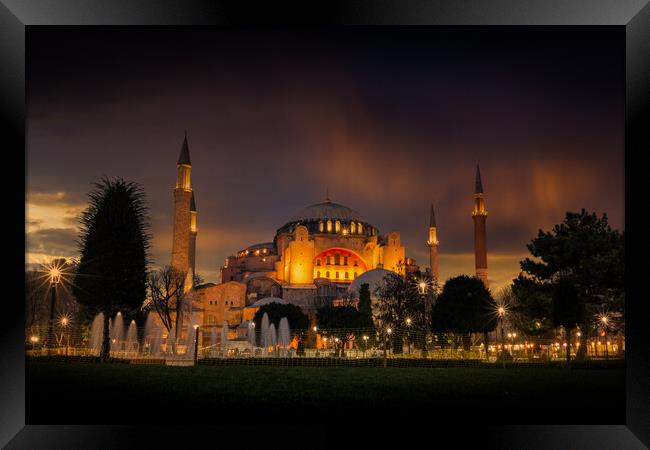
(337, 259)
(329, 259)
(360, 228)
(318, 274)
(329, 226)
(353, 228)
(321, 226)
(346, 275)
(338, 226)
(356, 263)
(345, 260)
(337, 274)
(327, 274)
(318, 262)
(355, 274)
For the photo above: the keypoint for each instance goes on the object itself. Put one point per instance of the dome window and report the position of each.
(360, 228)
(321, 226)
(353, 228)
(329, 225)
(338, 226)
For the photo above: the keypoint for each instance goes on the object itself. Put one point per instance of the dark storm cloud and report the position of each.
(389, 119)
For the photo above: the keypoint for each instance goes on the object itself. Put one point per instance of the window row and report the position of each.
(337, 227)
(337, 275)
(336, 260)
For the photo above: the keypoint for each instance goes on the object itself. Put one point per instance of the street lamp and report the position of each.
(408, 335)
(388, 332)
(501, 311)
(365, 345)
(54, 273)
(196, 343)
(64, 323)
(604, 320)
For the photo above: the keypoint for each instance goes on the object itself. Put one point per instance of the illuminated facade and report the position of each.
(315, 256)
(313, 259)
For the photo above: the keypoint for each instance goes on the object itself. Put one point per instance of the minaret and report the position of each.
(193, 232)
(479, 214)
(182, 215)
(433, 245)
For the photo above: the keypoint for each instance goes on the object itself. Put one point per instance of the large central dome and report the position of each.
(327, 210)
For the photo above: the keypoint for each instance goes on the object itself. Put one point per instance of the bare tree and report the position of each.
(166, 295)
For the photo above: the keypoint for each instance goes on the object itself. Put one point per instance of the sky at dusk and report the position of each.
(389, 119)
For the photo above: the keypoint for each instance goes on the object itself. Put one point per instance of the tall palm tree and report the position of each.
(114, 243)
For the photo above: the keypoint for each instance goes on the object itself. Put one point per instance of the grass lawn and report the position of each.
(60, 392)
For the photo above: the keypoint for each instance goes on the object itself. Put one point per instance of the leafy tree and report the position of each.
(396, 297)
(342, 322)
(585, 251)
(424, 291)
(530, 306)
(464, 306)
(568, 310)
(114, 242)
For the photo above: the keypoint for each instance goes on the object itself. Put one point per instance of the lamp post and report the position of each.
(64, 322)
(365, 345)
(408, 334)
(55, 278)
(605, 320)
(196, 343)
(388, 332)
(422, 289)
(502, 312)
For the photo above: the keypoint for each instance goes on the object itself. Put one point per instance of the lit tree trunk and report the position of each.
(106, 340)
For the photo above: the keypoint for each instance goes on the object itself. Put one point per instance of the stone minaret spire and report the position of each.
(193, 233)
(479, 214)
(433, 245)
(181, 247)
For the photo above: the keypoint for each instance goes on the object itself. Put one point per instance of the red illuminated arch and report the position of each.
(352, 256)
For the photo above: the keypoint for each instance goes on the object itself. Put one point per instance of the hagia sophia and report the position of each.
(321, 254)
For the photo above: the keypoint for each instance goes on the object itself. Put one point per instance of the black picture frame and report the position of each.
(634, 15)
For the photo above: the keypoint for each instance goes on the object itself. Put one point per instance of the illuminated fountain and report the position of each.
(131, 346)
(284, 336)
(117, 333)
(271, 339)
(97, 334)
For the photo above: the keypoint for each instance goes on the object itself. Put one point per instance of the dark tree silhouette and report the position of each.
(365, 305)
(343, 322)
(395, 299)
(568, 310)
(587, 252)
(464, 306)
(298, 321)
(114, 243)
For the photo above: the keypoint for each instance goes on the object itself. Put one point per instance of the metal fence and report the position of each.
(360, 347)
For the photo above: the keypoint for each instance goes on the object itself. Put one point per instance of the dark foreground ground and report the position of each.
(93, 393)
